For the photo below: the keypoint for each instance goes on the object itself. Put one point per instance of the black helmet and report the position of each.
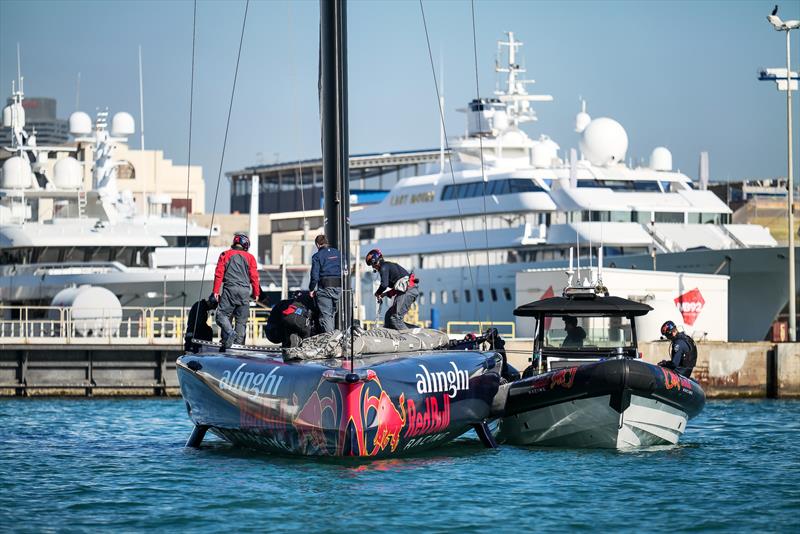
(241, 240)
(668, 329)
(374, 257)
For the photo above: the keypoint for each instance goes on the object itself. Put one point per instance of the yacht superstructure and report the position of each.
(55, 232)
(468, 229)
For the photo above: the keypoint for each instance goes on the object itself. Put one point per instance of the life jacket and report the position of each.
(689, 359)
(403, 284)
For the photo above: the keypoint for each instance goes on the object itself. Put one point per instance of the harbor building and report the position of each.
(297, 185)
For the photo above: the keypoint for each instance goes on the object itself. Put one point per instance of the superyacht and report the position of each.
(56, 233)
(507, 202)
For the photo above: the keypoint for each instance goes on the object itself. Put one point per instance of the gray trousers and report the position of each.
(234, 308)
(399, 308)
(328, 304)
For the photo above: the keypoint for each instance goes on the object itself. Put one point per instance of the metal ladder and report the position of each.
(82, 202)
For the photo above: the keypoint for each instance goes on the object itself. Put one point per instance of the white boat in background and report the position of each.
(55, 233)
(467, 229)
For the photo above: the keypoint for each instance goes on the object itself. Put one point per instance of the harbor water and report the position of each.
(120, 464)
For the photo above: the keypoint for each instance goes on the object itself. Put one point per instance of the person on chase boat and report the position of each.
(236, 277)
(395, 282)
(683, 351)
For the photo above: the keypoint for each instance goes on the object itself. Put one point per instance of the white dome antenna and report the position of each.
(80, 123)
(661, 159)
(604, 142)
(122, 124)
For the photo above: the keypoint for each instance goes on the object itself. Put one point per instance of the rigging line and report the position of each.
(222, 156)
(483, 170)
(295, 135)
(189, 163)
(447, 147)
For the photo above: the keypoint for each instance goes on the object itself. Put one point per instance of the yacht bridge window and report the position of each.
(505, 186)
(651, 186)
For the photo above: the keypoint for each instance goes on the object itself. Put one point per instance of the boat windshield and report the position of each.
(577, 332)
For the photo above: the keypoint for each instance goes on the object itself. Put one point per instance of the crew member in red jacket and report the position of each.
(235, 281)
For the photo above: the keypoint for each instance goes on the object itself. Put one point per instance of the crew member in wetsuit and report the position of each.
(395, 282)
(682, 350)
(326, 272)
(235, 281)
(575, 333)
(291, 320)
(197, 324)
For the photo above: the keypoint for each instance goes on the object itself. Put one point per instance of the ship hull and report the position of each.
(619, 404)
(388, 405)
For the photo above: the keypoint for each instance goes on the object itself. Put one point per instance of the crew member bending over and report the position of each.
(237, 279)
(682, 350)
(395, 282)
(326, 272)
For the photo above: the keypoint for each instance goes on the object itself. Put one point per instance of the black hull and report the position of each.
(386, 406)
(612, 403)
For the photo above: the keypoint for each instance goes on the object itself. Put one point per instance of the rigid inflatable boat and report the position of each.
(588, 386)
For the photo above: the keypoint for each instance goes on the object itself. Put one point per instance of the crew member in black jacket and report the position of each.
(682, 350)
(395, 282)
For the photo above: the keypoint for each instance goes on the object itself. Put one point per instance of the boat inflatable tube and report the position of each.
(336, 344)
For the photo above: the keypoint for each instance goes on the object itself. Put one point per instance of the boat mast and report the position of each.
(335, 146)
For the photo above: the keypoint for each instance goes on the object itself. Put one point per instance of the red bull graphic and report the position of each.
(671, 378)
(367, 414)
(388, 421)
(564, 378)
(309, 422)
(690, 304)
(431, 420)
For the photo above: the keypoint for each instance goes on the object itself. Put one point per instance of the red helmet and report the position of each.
(374, 257)
(241, 240)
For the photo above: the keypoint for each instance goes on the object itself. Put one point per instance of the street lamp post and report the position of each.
(787, 26)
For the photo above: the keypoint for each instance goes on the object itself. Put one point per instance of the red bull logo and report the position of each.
(690, 304)
(389, 421)
(430, 421)
(671, 379)
(310, 432)
(564, 378)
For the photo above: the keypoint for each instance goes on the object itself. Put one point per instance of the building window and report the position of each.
(467, 295)
(433, 298)
(444, 297)
(455, 296)
(480, 295)
(507, 293)
(494, 294)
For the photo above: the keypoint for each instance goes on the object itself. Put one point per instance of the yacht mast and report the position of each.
(335, 146)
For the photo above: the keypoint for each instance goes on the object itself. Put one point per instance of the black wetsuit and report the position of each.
(683, 354)
(574, 338)
(197, 325)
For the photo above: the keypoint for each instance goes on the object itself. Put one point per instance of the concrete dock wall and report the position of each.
(724, 369)
(88, 370)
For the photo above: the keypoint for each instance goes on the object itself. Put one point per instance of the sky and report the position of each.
(680, 74)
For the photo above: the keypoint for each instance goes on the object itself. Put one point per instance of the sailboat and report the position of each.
(374, 404)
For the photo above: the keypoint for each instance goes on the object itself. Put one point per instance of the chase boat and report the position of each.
(587, 385)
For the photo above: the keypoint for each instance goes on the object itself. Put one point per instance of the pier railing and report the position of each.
(126, 325)
(150, 326)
